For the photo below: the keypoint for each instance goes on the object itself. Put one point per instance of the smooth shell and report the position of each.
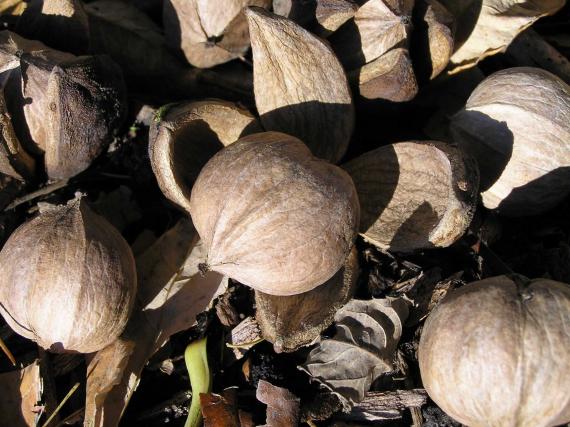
(414, 195)
(273, 216)
(495, 353)
(517, 125)
(68, 280)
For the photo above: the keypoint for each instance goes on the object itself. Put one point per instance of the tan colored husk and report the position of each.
(185, 136)
(63, 106)
(377, 27)
(414, 195)
(274, 217)
(290, 322)
(208, 32)
(494, 353)
(440, 30)
(307, 91)
(14, 160)
(68, 280)
(389, 77)
(331, 14)
(517, 125)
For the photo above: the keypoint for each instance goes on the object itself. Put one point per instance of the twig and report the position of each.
(65, 399)
(7, 352)
(48, 189)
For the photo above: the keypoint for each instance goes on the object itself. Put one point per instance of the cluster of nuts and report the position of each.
(274, 209)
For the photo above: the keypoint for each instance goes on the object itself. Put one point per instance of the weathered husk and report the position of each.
(307, 91)
(185, 136)
(414, 195)
(440, 32)
(390, 77)
(274, 217)
(517, 125)
(68, 280)
(62, 106)
(495, 353)
(290, 322)
(377, 27)
(208, 32)
(60, 24)
(331, 14)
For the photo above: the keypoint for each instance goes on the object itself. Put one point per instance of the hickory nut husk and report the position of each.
(495, 353)
(273, 216)
(516, 123)
(68, 280)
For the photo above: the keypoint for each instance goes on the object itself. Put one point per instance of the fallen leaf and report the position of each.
(362, 349)
(387, 405)
(290, 322)
(130, 37)
(282, 405)
(307, 90)
(220, 410)
(171, 293)
(487, 27)
(21, 391)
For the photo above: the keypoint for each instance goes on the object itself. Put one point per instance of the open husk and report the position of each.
(414, 195)
(516, 123)
(274, 217)
(185, 136)
(307, 91)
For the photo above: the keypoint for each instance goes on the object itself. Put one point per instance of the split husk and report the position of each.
(307, 91)
(494, 353)
(69, 280)
(516, 123)
(208, 32)
(274, 217)
(185, 136)
(331, 14)
(290, 322)
(415, 195)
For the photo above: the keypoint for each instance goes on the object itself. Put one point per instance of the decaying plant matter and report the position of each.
(63, 107)
(517, 125)
(68, 280)
(185, 136)
(414, 195)
(273, 216)
(494, 353)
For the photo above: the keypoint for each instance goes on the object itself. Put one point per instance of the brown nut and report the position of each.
(274, 217)
(68, 280)
(517, 125)
(495, 353)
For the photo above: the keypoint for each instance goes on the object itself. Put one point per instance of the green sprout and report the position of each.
(196, 358)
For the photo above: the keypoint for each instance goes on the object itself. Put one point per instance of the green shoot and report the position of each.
(196, 358)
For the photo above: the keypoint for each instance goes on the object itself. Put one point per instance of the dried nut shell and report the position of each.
(494, 353)
(185, 136)
(274, 217)
(208, 32)
(290, 322)
(331, 14)
(68, 280)
(390, 77)
(300, 11)
(307, 91)
(60, 24)
(62, 106)
(414, 195)
(377, 27)
(517, 125)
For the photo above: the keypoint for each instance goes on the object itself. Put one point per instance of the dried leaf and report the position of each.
(185, 136)
(331, 14)
(220, 410)
(130, 37)
(21, 391)
(377, 27)
(387, 405)
(208, 32)
(389, 77)
(282, 405)
(487, 27)
(293, 321)
(415, 195)
(60, 24)
(362, 348)
(300, 87)
(171, 293)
